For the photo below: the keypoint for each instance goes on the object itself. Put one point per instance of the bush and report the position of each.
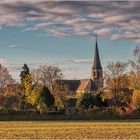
(88, 100)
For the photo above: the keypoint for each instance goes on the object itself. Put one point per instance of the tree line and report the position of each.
(42, 88)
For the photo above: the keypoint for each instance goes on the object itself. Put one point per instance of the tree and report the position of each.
(35, 95)
(47, 75)
(61, 92)
(135, 71)
(45, 100)
(26, 83)
(24, 73)
(88, 100)
(134, 78)
(5, 78)
(47, 97)
(26, 80)
(51, 77)
(117, 82)
(11, 102)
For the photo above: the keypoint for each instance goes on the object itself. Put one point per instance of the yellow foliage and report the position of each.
(27, 81)
(34, 95)
(136, 99)
(58, 102)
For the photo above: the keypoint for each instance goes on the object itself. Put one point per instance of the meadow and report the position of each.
(69, 130)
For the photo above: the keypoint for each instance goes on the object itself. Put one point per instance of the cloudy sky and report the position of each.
(62, 33)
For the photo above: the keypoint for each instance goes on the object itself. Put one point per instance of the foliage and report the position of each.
(61, 93)
(135, 71)
(117, 81)
(27, 82)
(34, 95)
(25, 71)
(46, 97)
(88, 100)
(26, 79)
(2, 101)
(136, 99)
(11, 102)
(51, 77)
(41, 98)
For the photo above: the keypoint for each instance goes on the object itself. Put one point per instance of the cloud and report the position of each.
(81, 61)
(104, 32)
(110, 19)
(3, 61)
(12, 46)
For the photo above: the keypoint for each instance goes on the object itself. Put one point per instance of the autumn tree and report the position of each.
(135, 70)
(5, 78)
(135, 78)
(51, 77)
(26, 83)
(11, 102)
(61, 92)
(117, 83)
(26, 80)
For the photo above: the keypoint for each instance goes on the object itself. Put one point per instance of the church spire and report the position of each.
(97, 68)
(97, 63)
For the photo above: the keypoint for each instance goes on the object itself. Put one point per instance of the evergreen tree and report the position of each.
(47, 97)
(86, 100)
(24, 73)
(26, 80)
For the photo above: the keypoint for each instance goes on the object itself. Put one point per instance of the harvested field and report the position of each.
(69, 130)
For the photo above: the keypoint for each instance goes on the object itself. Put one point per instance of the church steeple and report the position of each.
(97, 68)
(97, 63)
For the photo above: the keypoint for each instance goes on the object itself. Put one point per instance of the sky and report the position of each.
(62, 33)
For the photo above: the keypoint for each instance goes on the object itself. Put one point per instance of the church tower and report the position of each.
(97, 71)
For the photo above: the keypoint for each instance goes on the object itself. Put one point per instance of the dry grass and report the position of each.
(69, 130)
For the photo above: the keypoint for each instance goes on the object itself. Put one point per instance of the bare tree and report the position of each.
(135, 63)
(5, 78)
(47, 75)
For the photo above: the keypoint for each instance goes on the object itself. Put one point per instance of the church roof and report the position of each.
(72, 84)
(97, 63)
(83, 84)
(87, 84)
(80, 85)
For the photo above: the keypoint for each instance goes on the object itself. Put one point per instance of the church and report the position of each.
(92, 84)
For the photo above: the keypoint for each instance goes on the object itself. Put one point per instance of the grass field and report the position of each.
(69, 130)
